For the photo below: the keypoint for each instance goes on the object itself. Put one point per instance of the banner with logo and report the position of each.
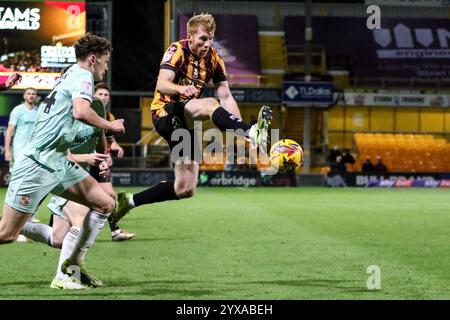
(205, 179)
(245, 179)
(353, 179)
(403, 47)
(410, 183)
(236, 39)
(396, 99)
(141, 177)
(36, 38)
(307, 93)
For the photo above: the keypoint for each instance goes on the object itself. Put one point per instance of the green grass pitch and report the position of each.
(259, 243)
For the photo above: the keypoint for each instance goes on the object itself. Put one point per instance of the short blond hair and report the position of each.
(206, 20)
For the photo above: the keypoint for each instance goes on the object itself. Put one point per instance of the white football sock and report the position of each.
(67, 248)
(92, 225)
(38, 232)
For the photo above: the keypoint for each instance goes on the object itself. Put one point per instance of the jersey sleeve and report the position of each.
(173, 58)
(82, 86)
(220, 73)
(14, 117)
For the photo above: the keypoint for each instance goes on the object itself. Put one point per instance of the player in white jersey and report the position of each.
(45, 169)
(88, 150)
(20, 126)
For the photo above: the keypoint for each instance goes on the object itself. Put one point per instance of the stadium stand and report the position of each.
(404, 152)
(281, 58)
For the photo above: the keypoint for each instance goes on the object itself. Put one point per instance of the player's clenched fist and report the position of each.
(117, 126)
(188, 91)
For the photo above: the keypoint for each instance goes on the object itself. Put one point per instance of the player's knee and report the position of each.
(111, 204)
(211, 105)
(57, 241)
(57, 244)
(109, 207)
(106, 207)
(185, 192)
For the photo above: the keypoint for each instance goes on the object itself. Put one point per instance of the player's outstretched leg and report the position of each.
(186, 177)
(117, 234)
(126, 201)
(223, 119)
(259, 132)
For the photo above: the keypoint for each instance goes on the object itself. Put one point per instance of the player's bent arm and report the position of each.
(226, 98)
(92, 159)
(165, 85)
(78, 158)
(10, 130)
(82, 111)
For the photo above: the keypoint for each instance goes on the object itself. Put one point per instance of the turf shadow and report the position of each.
(25, 283)
(128, 283)
(104, 293)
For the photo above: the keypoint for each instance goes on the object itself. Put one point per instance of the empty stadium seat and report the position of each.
(404, 152)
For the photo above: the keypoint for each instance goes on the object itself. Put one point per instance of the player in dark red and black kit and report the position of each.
(186, 68)
(11, 81)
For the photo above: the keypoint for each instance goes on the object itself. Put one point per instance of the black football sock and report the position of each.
(161, 192)
(112, 224)
(225, 120)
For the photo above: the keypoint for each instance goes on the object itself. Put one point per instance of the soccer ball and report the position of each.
(286, 155)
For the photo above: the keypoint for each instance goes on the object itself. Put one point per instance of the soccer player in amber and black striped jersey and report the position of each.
(186, 68)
